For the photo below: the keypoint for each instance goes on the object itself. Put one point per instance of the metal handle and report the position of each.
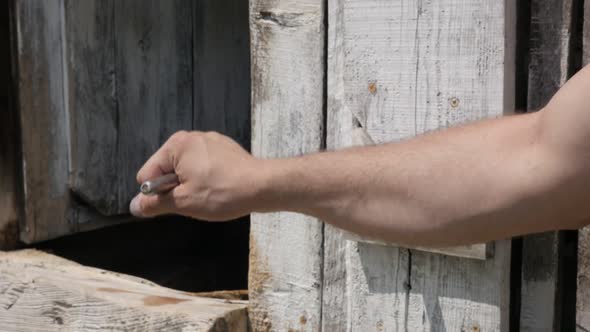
(160, 184)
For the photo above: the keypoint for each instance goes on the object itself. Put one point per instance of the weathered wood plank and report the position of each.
(45, 293)
(153, 64)
(43, 118)
(287, 45)
(10, 180)
(549, 57)
(583, 289)
(92, 105)
(407, 68)
(222, 68)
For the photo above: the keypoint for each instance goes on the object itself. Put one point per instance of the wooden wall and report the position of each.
(103, 83)
(400, 69)
(396, 70)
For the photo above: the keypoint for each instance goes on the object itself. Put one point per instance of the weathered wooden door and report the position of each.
(103, 83)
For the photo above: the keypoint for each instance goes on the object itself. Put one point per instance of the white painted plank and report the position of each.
(41, 292)
(398, 70)
(287, 45)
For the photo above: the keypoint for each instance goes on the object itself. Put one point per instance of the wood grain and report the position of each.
(10, 163)
(583, 289)
(92, 103)
(154, 83)
(287, 44)
(399, 70)
(43, 118)
(45, 293)
(222, 68)
(549, 61)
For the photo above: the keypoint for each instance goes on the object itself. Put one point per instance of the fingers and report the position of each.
(162, 162)
(150, 206)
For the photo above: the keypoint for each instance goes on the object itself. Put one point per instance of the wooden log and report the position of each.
(287, 44)
(398, 70)
(42, 292)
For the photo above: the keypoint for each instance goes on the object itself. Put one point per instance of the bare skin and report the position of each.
(485, 181)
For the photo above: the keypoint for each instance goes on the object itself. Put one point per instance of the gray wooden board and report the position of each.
(401, 69)
(583, 290)
(549, 54)
(44, 123)
(222, 68)
(41, 292)
(287, 47)
(153, 65)
(9, 139)
(92, 105)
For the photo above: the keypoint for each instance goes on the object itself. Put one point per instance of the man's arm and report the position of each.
(489, 180)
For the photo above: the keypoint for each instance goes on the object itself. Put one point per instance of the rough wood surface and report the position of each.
(104, 83)
(10, 164)
(549, 55)
(222, 68)
(154, 82)
(42, 292)
(398, 70)
(92, 102)
(43, 117)
(287, 44)
(583, 290)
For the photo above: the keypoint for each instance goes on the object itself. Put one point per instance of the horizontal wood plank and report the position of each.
(42, 292)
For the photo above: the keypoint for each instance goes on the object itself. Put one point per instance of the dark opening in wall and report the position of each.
(174, 252)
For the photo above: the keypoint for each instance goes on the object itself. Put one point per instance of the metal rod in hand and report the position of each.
(160, 184)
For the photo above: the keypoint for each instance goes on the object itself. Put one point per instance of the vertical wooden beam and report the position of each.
(43, 118)
(583, 290)
(399, 69)
(9, 140)
(550, 51)
(92, 102)
(287, 43)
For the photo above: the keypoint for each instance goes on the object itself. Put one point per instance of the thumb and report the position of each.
(145, 206)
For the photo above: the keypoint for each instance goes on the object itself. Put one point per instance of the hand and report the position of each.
(216, 177)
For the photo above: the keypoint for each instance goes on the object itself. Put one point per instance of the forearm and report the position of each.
(485, 181)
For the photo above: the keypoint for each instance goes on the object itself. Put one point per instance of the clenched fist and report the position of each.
(217, 178)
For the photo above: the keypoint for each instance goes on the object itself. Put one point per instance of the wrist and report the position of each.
(305, 185)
